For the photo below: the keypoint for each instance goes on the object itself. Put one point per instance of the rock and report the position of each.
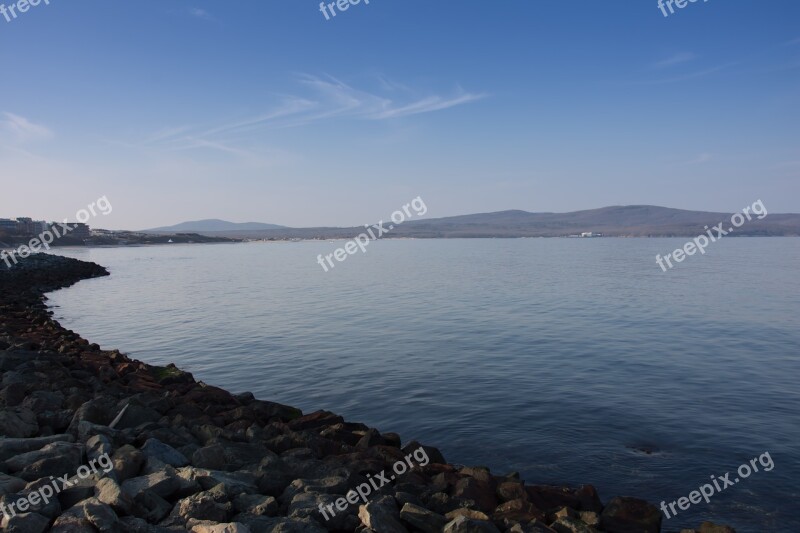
(281, 525)
(131, 524)
(326, 485)
(71, 496)
(306, 505)
(382, 517)
(511, 490)
(96, 411)
(256, 504)
(406, 497)
(163, 484)
(128, 462)
(211, 457)
(101, 516)
(534, 526)
(462, 524)
(518, 511)
(164, 453)
(315, 420)
(234, 482)
(422, 519)
(433, 454)
(18, 422)
(567, 524)
(74, 520)
(630, 515)
(208, 505)
(151, 507)
(27, 523)
(468, 513)
(40, 400)
(13, 395)
(590, 518)
(10, 484)
(481, 492)
(11, 447)
(370, 439)
(109, 492)
(54, 459)
(136, 415)
(233, 527)
(711, 527)
(98, 446)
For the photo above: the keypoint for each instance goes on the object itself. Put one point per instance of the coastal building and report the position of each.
(8, 225)
(80, 231)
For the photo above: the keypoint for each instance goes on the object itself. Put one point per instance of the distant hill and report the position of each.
(614, 221)
(213, 225)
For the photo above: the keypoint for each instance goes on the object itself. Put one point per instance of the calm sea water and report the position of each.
(557, 358)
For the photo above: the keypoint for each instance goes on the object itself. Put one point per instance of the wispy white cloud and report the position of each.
(675, 59)
(23, 130)
(322, 98)
(792, 42)
(427, 105)
(684, 77)
(705, 157)
(200, 13)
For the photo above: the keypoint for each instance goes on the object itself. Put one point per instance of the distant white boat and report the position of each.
(169, 240)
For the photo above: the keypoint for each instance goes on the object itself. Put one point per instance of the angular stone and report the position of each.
(210, 527)
(462, 524)
(18, 422)
(151, 507)
(164, 453)
(10, 484)
(163, 484)
(630, 515)
(109, 492)
(211, 457)
(482, 493)
(380, 516)
(518, 511)
(257, 505)
(711, 527)
(566, 524)
(27, 523)
(128, 462)
(101, 516)
(11, 447)
(422, 519)
(208, 505)
(98, 446)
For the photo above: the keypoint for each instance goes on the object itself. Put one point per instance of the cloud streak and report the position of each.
(673, 60)
(23, 130)
(322, 99)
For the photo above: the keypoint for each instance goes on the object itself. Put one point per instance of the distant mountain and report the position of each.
(213, 225)
(614, 221)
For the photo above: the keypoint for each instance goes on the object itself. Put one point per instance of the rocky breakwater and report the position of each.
(91, 440)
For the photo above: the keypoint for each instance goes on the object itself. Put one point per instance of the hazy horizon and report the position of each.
(273, 113)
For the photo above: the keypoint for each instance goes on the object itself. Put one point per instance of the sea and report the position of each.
(570, 361)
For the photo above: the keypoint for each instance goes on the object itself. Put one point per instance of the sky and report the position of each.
(267, 111)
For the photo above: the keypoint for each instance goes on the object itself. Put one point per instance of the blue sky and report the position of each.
(266, 111)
